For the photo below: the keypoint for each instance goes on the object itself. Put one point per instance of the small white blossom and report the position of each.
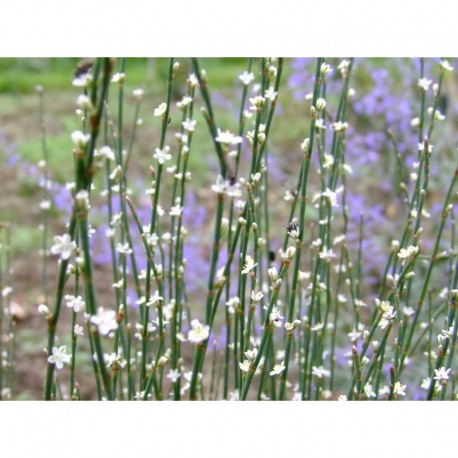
(441, 374)
(244, 366)
(408, 254)
(446, 65)
(43, 309)
(228, 138)
(320, 372)
(246, 78)
(123, 248)
(275, 317)
(278, 369)
(118, 78)
(270, 94)
(399, 389)
(105, 320)
(64, 246)
(75, 303)
(424, 83)
(80, 139)
(368, 391)
(256, 296)
(199, 332)
(59, 357)
(173, 375)
(249, 265)
(162, 155)
(138, 93)
(189, 125)
(78, 330)
(340, 126)
(160, 110)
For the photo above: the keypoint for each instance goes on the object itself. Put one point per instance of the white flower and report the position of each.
(173, 375)
(124, 248)
(325, 68)
(319, 124)
(327, 255)
(84, 102)
(384, 306)
(189, 125)
(408, 311)
(75, 303)
(399, 389)
(43, 309)
(112, 358)
(441, 374)
(368, 390)
(331, 196)
(320, 372)
(228, 138)
(246, 78)
(257, 103)
(7, 290)
(64, 246)
(328, 161)
(153, 300)
(249, 265)
(162, 155)
(244, 366)
(424, 83)
(342, 397)
(251, 354)
(83, 80)
(160, 110)
(78, 330)
(446, 65)
(199, 332)
(343, 67)
(138, 93)
(45, 204)
(275, 317)
(425, 383)
(118, 78)
(80, 140)
(59, 357)
(408, 254)
(184, 102)
(256, 296)
(106, 152)
(270, 94)
(354, 335)
(105, 321)
(278, 369)
(320, 104)
(340, 126)
(176, 210)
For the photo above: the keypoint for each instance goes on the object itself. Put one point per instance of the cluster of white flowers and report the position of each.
(408, 254)
(223, 186)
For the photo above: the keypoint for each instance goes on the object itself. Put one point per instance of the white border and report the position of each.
(153, 28)
(218, 429)
(237, 28)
